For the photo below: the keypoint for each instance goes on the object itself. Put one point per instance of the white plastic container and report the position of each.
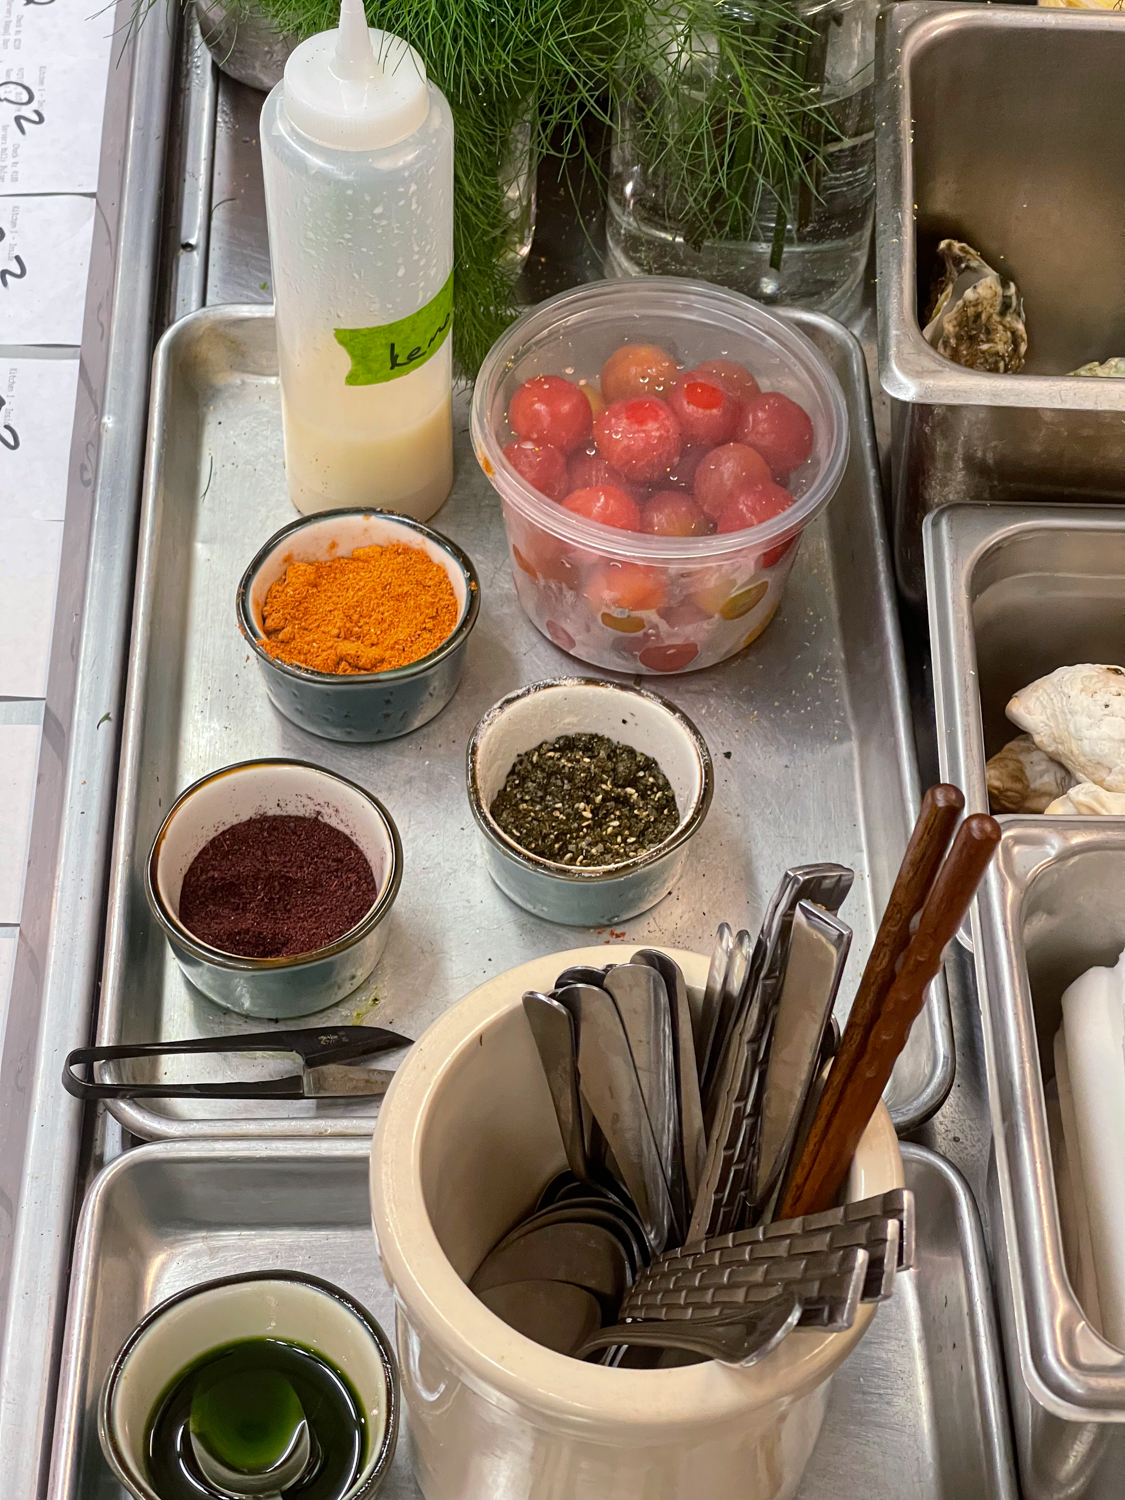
(357, 153)
(466, 1139)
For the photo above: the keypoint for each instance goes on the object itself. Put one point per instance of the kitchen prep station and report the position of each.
(593, 963)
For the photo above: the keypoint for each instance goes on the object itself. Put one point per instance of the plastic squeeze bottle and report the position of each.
(357, 150)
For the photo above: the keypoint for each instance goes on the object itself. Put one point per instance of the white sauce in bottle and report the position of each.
(357, 152)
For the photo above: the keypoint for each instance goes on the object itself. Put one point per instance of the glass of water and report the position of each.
(805, 245)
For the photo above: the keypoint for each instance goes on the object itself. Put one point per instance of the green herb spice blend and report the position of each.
(583, 799)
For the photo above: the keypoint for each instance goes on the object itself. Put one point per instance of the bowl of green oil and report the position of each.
(267, 1384)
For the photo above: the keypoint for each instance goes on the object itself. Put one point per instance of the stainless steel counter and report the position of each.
(215, 252)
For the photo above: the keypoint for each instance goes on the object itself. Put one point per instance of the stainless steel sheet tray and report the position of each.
(809, 731)
(917, 1412)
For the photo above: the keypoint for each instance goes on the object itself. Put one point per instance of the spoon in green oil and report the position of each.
(250, 1436)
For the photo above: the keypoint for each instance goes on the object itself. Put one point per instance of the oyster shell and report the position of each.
(1086, 798)
(1077, 716)
(977, 314)
(1022, 779)
(1111, 369)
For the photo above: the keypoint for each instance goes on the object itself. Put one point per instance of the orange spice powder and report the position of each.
(380, 608)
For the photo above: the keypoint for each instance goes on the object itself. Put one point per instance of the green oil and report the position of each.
(244, 1400)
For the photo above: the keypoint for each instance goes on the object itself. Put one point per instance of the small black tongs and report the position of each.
(326, 1056)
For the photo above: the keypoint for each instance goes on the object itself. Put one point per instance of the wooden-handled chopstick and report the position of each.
(820, 1172)
(937, 818)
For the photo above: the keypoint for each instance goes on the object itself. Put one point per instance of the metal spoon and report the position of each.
(693, 1140)
(608, 1081)
(586, 1254)
(580, 974)
(553, 1313)
(237, 1483)
(552, 1026)
(712, 992)
(645, 1010)
(737, 977)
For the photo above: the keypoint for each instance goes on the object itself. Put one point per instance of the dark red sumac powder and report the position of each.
(275, 886)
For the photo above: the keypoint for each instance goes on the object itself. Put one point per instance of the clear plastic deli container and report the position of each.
(623, 599)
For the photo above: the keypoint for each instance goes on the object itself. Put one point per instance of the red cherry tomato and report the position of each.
(560, 636)
(733, 378)
(771, 558)
(549, 409)
(754, 505)
(705, 412)
(542, 466)
(683, 614)
(672, 513)
(681, 475)
(587, 469)
(724, 473)
(673, 658)
(548, 558)
(640, 437)
(607, 504)
(780, 430)
(627, 586)
(593, 396)
(637, 370)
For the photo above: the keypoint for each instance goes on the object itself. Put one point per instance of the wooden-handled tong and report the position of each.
(892, 991)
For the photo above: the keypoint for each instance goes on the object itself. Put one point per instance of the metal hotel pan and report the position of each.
(809, 731)
(1051, 907)
(1014, 592)
(984, 135)
(917, 1412)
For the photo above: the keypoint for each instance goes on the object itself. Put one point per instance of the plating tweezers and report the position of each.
(324, 1052)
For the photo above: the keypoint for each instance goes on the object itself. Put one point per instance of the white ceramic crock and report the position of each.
(466, 1139)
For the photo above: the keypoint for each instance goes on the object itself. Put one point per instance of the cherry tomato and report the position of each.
(780, 430)
(542, 466)
(771, 558)
(524, 562)
(755, 504)
(686, 613)
(607, 504)
(730, 598)
(672, 658)
(724, 473)
(593, 396)
(733, 378)
(627, 586)
(587, 469)
(549, 409)
(672, 513)
(560, 636)
(705, 412)
(756, 630)
(637, 370)
(549, 559)
(681, 474)
(640, 437)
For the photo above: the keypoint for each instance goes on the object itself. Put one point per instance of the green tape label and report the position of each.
(394, 349)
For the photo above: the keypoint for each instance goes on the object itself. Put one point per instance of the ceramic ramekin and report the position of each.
(259, 1304)
(572, 705)
(274, 988)
(467, 1137)
(358, 706)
